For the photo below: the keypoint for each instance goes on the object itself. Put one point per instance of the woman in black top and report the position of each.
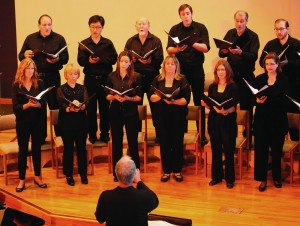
(171, 117)
(222, 127)
(28, 119)
(270, 121)
(72, 121)
(124, 108)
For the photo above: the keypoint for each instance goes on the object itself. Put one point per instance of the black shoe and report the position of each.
(230, 185)
(104, 139)
(214, 182)
(84, 179)
(92, 139)
(277, 184)
(263, 186)
(178, 177)
(204, 141)
(20, 189)
(165, 177)
(40, 185)
(70, 181)
(115, 179)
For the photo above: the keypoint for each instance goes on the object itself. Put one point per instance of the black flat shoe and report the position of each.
(70, 181)
(229, 185)
(277, 184)
(20, 189)
(263, 186)
(84, 180)
(40, 185)
(116, 179)
(165, 177)
(214, 182)
(178, 177)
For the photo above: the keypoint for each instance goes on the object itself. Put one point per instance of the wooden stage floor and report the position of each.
(61, 204)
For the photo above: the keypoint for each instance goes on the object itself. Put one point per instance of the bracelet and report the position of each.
(132, 98)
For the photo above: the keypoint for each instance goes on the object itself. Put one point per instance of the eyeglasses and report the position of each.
(97, 28)
(279, 29)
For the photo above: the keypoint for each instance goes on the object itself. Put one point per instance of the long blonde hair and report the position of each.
(178, 76)
(20, 74)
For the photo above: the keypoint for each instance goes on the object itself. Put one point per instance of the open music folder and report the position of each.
(212, 102)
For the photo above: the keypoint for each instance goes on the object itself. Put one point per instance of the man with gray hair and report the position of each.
(242, 57)
(126, 205)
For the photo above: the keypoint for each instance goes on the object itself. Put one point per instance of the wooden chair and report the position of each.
(192, 137)
(291, 147)
(142, 138)
(242, 143)
(8, 150)
(58, 146)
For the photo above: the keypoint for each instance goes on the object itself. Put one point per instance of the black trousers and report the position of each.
(263, 142)
(223, 140)
(50, 79)
(171, 131)
(196, 78)
(24, 131)
(77, 137)
(147, 79)
(132, 129)
(93, 85)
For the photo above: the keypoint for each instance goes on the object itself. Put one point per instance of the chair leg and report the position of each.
(145, 157)
(109, 157)
(56, 163)
(5, 168)
(197, 158)
(292, 167)
(92, 160)
(240, 161)
(205, 163)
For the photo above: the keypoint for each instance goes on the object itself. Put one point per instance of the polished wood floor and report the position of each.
(61, 204)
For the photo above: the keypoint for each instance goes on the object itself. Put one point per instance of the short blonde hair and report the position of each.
(71, 67)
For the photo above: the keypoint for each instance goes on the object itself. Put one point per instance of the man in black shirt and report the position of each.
(242, 57)
(142, 43)
(50, 42)
(191, 57)
(288, 48)
(126, 205)
(96, 68)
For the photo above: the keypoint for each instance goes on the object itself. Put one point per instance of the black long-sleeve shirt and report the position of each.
(29, 115)
(50, 44)
(189, 56)
(126, 206)
(104, 66)
(292, 69)
(150, 43)
(126, 108)
(71, 120)
(249, 44)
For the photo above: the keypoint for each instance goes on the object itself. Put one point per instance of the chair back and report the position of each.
(294, 120)
(142, 109)
(193, 113)
(242, 119)
(7, 122)
(6, 106)
(54, 116)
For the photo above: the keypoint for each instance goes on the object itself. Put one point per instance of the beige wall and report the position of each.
(70, 18)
